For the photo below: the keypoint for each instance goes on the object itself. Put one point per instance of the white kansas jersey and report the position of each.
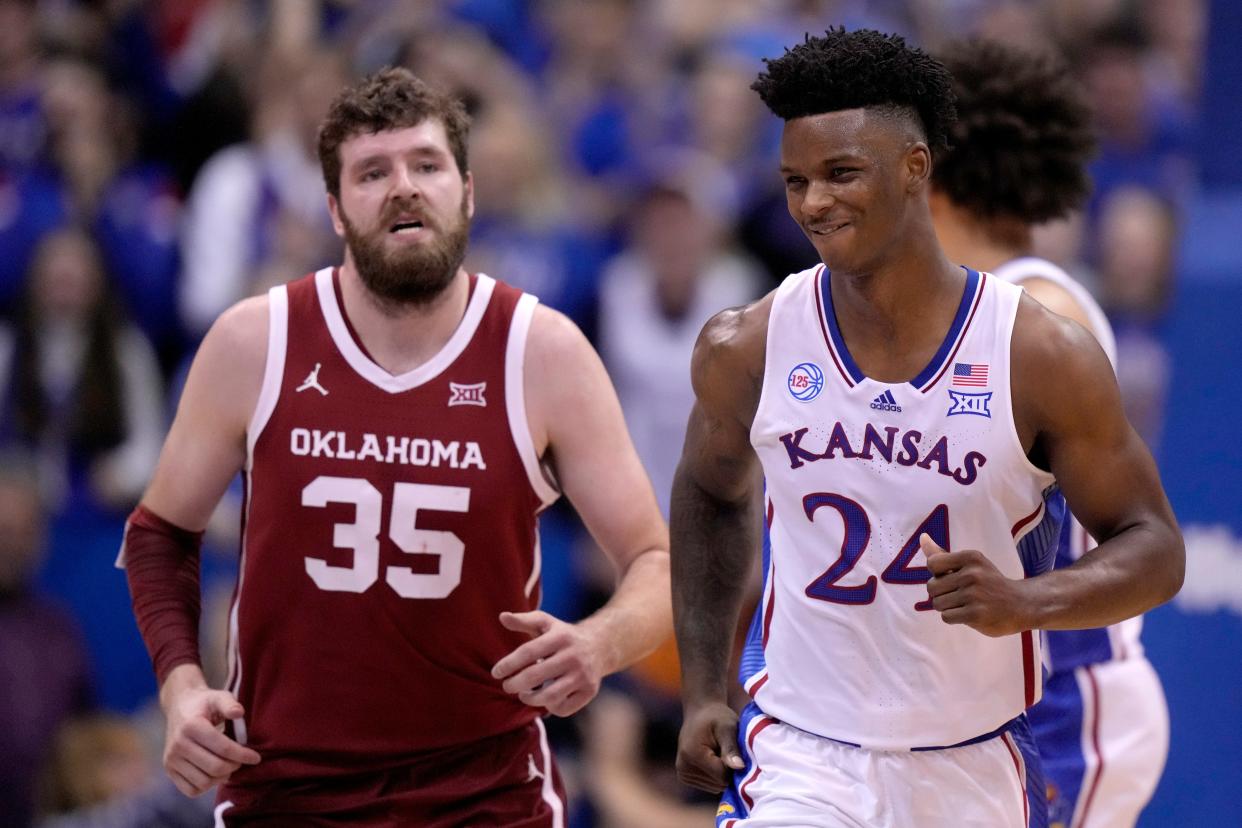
(1066, 649)
(845, 644)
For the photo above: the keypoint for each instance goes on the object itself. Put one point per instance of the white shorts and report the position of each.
(795, 779)
(1103, 735)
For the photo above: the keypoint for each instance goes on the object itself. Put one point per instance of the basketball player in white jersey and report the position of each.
(400, 423)
(899, 408)
(1018, 158)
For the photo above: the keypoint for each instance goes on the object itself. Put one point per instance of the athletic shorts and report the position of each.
(1103, 735)
(795, 779)
(508, 780)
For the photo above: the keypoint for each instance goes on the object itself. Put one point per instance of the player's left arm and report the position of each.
(576, 421)
(1069, 416)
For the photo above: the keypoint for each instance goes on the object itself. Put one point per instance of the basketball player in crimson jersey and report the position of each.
(400, 423)
(1018, 159)
(916, 423)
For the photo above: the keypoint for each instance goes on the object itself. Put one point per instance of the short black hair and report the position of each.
(859, 69)
(1023, 136)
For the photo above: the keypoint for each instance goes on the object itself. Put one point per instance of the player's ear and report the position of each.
(334, 209)
(469, 194)
(918, 166)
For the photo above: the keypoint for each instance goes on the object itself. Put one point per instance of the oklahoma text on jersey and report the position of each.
(410, 451)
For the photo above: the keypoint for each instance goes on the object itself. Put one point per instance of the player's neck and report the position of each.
(895, 316)
(401, 338)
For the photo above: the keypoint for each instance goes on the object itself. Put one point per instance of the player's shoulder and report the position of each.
(553, 336)
(242, 330)
(1055, 358)
(233, 354)
(726, 368)
(735, 337)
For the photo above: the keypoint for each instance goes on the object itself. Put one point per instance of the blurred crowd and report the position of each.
(157, 164)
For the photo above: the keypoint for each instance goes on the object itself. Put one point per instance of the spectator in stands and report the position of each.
(679, 269)
(104, 774)
(78, 385)
(130, 203)
(248, 196)
(44, 670)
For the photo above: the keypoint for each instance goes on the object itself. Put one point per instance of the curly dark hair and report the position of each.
(1023, 137)
(863, 68)
(392, 98)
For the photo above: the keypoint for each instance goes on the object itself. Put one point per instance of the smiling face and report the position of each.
(404, 210)
(851, 179)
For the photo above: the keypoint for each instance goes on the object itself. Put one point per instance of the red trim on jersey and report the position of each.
(1095, 743)
(983, 281)
(750, 744)
(1028, 666)
(767, 613)
(771, 512)
(819, 307)
(755, 689)
(1018, 766)
(1021, 524)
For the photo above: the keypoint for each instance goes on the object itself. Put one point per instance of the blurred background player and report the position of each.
(1017, 158)
(896, 404)
(400, 423)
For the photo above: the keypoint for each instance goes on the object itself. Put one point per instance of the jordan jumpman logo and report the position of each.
(532, 771)
(312, 381)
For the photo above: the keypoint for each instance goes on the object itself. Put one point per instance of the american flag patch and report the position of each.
(970, 373)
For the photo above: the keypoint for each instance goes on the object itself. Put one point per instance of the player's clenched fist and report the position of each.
(707, 753)
(967, 588)
(197, 754)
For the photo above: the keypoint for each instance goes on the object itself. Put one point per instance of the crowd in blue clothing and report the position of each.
(157, 164)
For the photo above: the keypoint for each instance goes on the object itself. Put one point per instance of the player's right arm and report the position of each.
(714, 530)
(204, 450)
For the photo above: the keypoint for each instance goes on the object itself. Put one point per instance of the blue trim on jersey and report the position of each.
(1038, 547)
(754, 659)
(1036, 787)
(1006, 727)
(1057, 725)
(942, 353)
(963, 311)
(1068, 649)
(732, 806)
(830, 317)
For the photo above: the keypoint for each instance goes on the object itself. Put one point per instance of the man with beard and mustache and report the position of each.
(399, 423)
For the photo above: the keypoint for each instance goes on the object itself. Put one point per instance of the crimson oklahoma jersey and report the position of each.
(388, 521)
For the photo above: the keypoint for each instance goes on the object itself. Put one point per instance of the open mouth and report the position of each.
(406, 227)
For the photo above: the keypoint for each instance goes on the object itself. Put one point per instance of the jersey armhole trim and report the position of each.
(274, 368)
(515, 399)
(1045, 477)
(781, 290)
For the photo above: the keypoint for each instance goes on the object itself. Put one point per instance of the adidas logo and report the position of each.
(885, 402)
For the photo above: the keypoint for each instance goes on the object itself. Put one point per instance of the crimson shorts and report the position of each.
(507, 780)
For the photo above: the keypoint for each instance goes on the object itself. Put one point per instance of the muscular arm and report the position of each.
(714, 531)
(206, 445)
(1069, 412)
(205, 448)
(578, 426)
